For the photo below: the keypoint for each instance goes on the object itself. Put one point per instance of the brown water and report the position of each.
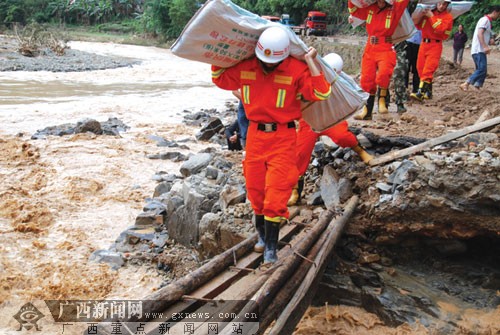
(65, 197)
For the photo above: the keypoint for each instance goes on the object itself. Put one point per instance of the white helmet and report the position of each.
(335, 61)
(273, 45)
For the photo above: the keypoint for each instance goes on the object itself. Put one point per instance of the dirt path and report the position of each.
(450, 108)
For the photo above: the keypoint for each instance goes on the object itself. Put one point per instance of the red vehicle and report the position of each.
(314, 24)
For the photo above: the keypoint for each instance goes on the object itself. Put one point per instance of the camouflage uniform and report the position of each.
(399, 77)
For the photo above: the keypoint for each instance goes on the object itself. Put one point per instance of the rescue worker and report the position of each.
(436, 27)
(379, 57)
(306, 138)
(270, 84)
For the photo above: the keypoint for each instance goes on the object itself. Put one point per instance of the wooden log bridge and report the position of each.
(233, 294)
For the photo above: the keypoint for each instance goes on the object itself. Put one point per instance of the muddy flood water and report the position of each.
(64, 197)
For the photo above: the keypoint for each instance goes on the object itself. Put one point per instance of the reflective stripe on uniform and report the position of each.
(388, 21)
(370, 15)
(245, 94)
(437, 23)
(274, 219)
(280, 100)
(321, 95)
(216, 74)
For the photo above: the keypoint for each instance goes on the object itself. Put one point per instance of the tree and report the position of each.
(469, 19)
(180, 12)
(155, 18)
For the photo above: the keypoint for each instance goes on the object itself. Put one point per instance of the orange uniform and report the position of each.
(306, 139)
(379, 58)
(435, 30)
(272, 103)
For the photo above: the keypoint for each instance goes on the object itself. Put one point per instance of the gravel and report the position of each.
(71, 61)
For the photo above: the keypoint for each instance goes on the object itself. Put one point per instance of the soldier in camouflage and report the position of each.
(400, 71)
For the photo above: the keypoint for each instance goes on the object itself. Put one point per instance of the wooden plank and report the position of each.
(390, 156)
(292, 313)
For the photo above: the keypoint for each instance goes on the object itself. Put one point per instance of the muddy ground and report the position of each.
(30, 207)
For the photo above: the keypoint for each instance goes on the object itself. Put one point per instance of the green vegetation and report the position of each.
(470, 18)
(165, 19)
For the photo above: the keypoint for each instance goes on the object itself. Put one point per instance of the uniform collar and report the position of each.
(489, 18)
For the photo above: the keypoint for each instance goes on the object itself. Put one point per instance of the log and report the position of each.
(241, 291)
(283, 296)
(390, 156)
(282, 270)
(291, 315)
(174, 291)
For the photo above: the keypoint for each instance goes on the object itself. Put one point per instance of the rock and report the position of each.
(213, 127)
(113, 259)
(88, 125)
(195, 164)
(384, 187)
(231, 195)
(404, 174)
(161, 188)
(182, 225)
(150, 218)
(211, 172)
(334, 190)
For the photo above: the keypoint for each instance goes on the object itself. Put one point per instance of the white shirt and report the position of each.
(483, 23)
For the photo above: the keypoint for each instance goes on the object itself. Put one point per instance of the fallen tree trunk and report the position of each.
(390, 156)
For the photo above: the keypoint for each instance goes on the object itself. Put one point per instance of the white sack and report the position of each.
(404, 30)
(363, 3)
(455, 8)
(223, 34)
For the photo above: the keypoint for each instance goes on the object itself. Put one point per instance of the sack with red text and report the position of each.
(223, 34)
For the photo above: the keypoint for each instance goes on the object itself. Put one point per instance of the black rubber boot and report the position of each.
(300, 187)
(261, 229)
(428, 91)
(366, 113)
(272, 235)
(421, 91)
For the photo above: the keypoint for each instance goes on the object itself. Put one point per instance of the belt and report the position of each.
(429, 40)
(270, 127)
(377, 40)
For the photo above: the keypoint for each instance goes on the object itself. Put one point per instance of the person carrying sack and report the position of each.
(379, 57)
(269, 84)
(436, 27)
